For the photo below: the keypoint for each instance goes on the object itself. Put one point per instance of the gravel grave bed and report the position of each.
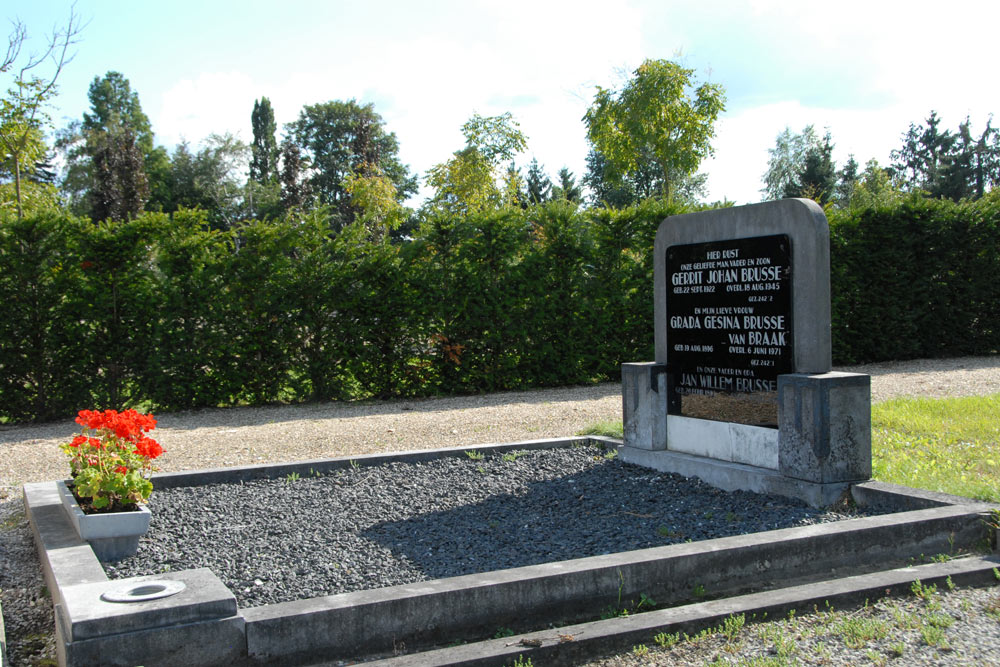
(383, 525)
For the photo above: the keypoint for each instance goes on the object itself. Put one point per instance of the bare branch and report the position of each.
(14, 43)
(57, 49)
(22, 111)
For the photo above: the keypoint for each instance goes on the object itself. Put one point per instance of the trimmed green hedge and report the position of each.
(918, 279)
(163, 312)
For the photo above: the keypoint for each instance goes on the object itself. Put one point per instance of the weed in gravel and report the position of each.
(667, 531)
(876, 658)
(666, 641)
(475, 456)
(939, 620)
(897, 649)
(12, 521)
(903, 619)
(521, 662)
(933, 636)
(292, 477)
(355, 464)
(732, 626)
(858, 632)
(610, 454)
(640, 650)
(783, 646)
(702, 636)
(992, 608)
(925, 593)
(512, 456)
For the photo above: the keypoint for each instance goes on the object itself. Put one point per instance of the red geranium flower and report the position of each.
(148, 447)
(90, 419)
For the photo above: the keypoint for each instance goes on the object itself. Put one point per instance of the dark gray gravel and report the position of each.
(280, 540)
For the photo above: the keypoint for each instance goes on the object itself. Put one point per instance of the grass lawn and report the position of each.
(943, 444)
(940, 444)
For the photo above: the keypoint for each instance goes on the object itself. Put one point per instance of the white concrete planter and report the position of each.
(112, 536)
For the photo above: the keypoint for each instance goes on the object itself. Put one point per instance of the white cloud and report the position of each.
(212, 102)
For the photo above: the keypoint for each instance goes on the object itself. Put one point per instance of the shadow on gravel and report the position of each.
(607, 509)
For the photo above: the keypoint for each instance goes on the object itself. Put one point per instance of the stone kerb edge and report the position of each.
(806, 226)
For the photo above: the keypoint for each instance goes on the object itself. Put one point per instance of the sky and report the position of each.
(864, 70)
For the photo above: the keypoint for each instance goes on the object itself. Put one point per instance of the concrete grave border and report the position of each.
(202, 624)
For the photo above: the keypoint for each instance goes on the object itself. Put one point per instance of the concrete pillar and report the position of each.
(824, 427)
(644, 405)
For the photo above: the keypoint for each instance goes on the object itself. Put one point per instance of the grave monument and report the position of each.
(741, 393)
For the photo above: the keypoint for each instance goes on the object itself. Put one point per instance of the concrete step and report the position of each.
(571, 644)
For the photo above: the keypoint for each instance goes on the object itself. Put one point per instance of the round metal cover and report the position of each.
(142, 591)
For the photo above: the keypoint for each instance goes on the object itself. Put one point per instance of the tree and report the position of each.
(120, 188)
(264, 150)
(847, 181)
(211, 179)
(295, 190)
(374, 194)
(337, 139)
(942, 164)
(538, 185)
(114, 119)
(609, 187)
(919, 162)
(876, 187)
(22, 111)
(786, 161)
(567, 188)
(658, 118)
(612, 189)
(113, 102)
(468, 181)
(817, 178)
(514, 192)
(973, 164)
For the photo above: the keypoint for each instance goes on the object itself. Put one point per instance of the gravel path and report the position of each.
(232, 437)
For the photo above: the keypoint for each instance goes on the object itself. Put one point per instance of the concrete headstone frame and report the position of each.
(742, 306)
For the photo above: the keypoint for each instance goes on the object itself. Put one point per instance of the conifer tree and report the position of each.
(567, 188)
(538, 184)
(264, 150)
